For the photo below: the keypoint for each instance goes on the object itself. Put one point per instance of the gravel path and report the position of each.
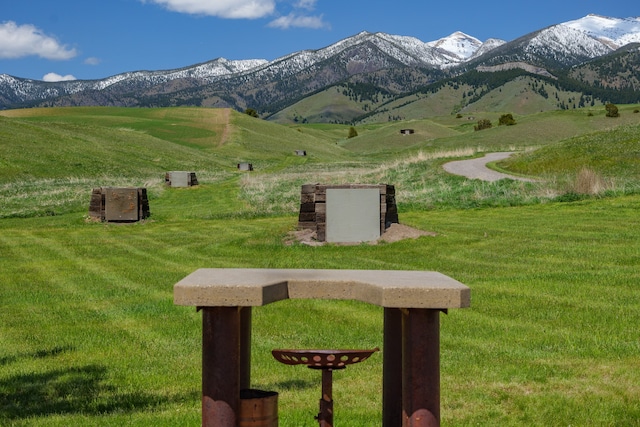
(477, 169)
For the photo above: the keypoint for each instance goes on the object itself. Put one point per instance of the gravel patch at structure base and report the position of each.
(394, 233)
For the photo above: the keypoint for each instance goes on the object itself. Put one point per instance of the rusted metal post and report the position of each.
(421, 368)
(220, 366)
(245, 348)
(325, 417)
(392, 368)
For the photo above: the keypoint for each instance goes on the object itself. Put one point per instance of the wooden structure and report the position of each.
(112, 204)
(313, 198)
(412, 302)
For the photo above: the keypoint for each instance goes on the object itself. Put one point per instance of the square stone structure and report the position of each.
(113, 204)
(313, 208)
(353, 214)
(180, 179)
(121, 204)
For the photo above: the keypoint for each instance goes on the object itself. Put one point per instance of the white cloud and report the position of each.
(306, 4)
(298, 21)
(92, 61)
(17, 41)
(236, 9)
(53, 77)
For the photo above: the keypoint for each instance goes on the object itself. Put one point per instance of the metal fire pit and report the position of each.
(327, 361)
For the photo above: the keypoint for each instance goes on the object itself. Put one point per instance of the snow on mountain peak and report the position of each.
(458, 43)
(615, 31)
(564, 41)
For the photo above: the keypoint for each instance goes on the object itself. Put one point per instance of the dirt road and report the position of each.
(477, 169)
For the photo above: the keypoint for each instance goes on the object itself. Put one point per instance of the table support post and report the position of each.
(245, 348)
(421, 368)
(220, 366)
(392, 368)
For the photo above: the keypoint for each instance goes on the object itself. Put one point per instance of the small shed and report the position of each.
(245, 166)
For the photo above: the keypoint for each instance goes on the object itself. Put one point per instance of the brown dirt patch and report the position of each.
(394, 233)
(225, 130)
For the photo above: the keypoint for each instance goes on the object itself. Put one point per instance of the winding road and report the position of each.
(477, 168)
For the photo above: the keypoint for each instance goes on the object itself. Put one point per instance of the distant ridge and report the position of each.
(389, 64)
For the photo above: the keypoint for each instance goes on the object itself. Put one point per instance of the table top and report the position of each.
(247, 287)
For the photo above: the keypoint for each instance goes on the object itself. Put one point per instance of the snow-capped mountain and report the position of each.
(567, 43)
(460, 44)
(400, 63)
(612, 31)
(487, 46)
(23, 90)
(217, 68)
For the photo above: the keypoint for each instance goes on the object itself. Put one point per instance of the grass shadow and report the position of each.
(79, 390)
(40, 354)
(294, 385)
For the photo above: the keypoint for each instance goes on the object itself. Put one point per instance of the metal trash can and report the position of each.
(258, 408)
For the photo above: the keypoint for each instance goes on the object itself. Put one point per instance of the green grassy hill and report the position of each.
(613, 153)
(387, 138)
(486, 93)
(327, 106)
(59, 154)
(64, 146)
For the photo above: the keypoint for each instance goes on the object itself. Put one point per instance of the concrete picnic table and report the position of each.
(412, 302)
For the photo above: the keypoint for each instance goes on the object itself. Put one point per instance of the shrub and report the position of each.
(483, 124)
(352, 132)
(612, 110)
(507, 120)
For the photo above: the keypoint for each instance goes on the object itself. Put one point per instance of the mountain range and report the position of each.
(375, 76)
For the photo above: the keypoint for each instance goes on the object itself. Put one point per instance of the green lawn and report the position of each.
(91, 337)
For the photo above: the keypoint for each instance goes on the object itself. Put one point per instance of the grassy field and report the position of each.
(89, 334)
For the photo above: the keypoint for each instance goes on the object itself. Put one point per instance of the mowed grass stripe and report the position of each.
(91, 291)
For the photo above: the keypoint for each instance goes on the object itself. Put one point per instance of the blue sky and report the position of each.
(92, 39)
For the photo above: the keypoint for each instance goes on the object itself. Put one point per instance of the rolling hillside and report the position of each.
(52, 157)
